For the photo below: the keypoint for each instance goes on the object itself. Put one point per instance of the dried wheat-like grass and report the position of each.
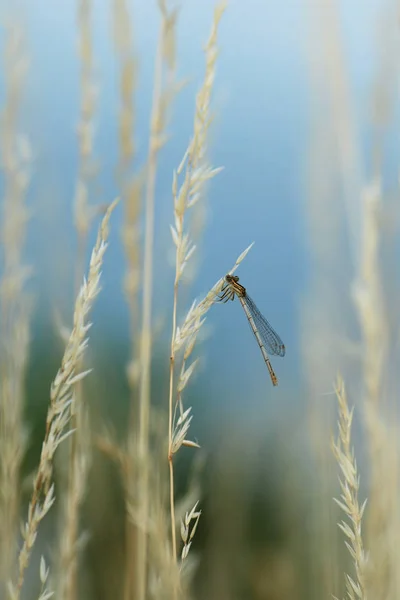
(163, 580)
(15, 304)
(163, 93)
(132, 191)
(69, 543)
(369, 301)
(59, 411)
(123, 41)
(79, 455)
(185, 338)
(163, 576)
(368, 297)
(197, 172)
(349, 503)
(131, 184)
(332, 211)
(86, 128)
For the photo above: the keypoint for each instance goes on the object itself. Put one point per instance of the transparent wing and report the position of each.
(270, 338)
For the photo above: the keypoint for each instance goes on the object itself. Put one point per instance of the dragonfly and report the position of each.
(267, 338)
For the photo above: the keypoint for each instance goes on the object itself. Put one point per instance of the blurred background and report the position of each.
(305, 125)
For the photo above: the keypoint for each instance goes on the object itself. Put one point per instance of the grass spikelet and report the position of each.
(188, 529)
(348, 502)
(58, 414)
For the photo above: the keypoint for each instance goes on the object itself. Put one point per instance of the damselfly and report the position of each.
(265, 335)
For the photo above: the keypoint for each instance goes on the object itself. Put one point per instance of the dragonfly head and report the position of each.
(231, 278)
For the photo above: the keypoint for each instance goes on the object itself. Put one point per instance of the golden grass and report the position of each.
(15, 311)
(349, 502)
(59, 411)
(131, 185)
(79, 446)
(196, 172)
(162, 95)
(160, 525)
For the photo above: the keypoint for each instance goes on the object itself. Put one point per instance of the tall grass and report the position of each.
(79, 449)
(196, 172)
(232, 535)
(61, 400)
(131, 184)
(350, 293)
(349, 501)
(161, 97)
(15, 309)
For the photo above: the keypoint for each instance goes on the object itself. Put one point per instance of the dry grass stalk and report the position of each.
(131, 185)
(132, 194)
(197, 172)
(335, 170)
(384, 89)
(162, 97)
(368, 297)
(79, 455)
(70, 546)
(164, 581)
(15, 304)
(163, 574)
(370, 305)
(123, 40)
(59, 411)
(349, 503)
(380, 409)
(86, 127)
(185, 337)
